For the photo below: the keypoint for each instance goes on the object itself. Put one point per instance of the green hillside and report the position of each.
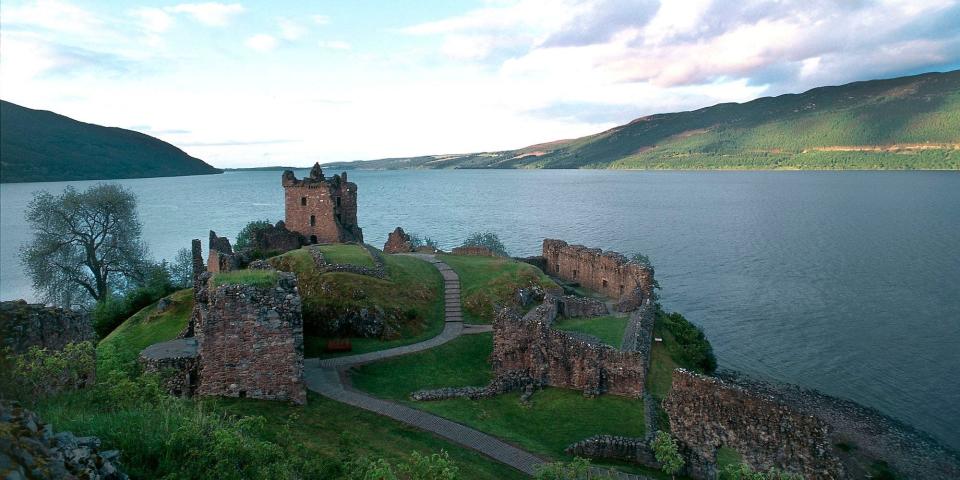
(37, 146)
(901, 123)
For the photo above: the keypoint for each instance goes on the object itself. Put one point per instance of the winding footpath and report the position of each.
(325, 376)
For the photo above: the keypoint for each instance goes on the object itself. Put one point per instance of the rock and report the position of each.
(164, 304)
(398, 242)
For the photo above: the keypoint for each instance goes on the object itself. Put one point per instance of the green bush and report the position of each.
(416, 241)
(694, 350)
(245, 237)
(744, 472)
(577, 469)
(486, 239)
(40, 372)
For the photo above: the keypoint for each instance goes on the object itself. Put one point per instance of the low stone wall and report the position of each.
(528, 347)
(574, 306)
(275, 239)
(610, 447)
(609, 273)
(178, 360)
(639, 334)
(706, 413)
(473, 251)
(23, 325)
(251, 341)
(378, 270)
(398, 242)
(30, 449)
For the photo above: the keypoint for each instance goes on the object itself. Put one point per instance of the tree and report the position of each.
(416, 241)
(85, 245)
(181, 269)
(249, 232)
(486, 239)
(667, 453)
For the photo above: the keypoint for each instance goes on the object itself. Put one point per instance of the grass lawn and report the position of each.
(147, 327)
(411, 293)
(609, 329)
(555, 419)
(257, 278)
(347, 253)
(488, 280)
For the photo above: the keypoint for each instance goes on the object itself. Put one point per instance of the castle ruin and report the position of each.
(609, 273)
(323, 210)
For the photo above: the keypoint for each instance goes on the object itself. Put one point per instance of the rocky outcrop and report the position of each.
(398, 242)
(527, 347)
(250, 341)
(707, 413)
(608, 273)
(30, 449)
(23, 325)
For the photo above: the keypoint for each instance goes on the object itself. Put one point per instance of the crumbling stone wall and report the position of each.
(574, 306)
(528, 347)
(178, 360)
(707, 413)
(23, 325)
(323, 210)
(251, 341)
(609, 273)
(29, 448)
(398, 242)
(477, 251)
(275, 239)
(221, 257)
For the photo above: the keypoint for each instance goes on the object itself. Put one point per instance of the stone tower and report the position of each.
(323, 210)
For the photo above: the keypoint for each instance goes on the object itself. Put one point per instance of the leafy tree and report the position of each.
(486, 239)
(85, 244)
(246, 235)
(181, 269)
(416, 241)
(667, 452)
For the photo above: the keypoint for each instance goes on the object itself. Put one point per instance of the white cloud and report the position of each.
(290, 30)
(210, 13)
(153, 20)
(52, 15)
(262, 42)
(321, 19)
(334, 44)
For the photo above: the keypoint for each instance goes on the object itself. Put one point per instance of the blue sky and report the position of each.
(267, 83)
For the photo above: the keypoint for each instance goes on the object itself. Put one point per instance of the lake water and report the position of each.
(847, 282)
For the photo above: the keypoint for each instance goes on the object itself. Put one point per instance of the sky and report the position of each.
(256, 83)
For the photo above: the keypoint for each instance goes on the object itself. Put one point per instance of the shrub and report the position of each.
(742, 471)
(667, 452)
(486, 239)
(577, 469)
(40, 372)
(245, 237)
(416, 241)
(695, 351)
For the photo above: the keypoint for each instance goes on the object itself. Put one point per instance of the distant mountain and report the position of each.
(900, 123)
(39, 146)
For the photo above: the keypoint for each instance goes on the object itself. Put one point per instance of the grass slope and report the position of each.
(145, 328)
(900, 123)
(534, 427)
(412, 291)
(609, 329)
(41, 146)
(485, 281)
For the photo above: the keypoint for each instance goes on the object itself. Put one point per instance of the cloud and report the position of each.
(153, 20)
(210, 13)
(262, 42)
(602, 21)
(51, 15)
(320, 19)
(290, 30)
(334, 44)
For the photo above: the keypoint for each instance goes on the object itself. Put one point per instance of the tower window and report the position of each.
(338, 202)
(303, 200)
(313, 221)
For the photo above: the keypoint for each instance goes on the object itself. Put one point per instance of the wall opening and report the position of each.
(574, 274)
(339, 220)
(303, 200)
(621, 289)
(338, 202)
(313, 220)
(313, 239)
(604, 284)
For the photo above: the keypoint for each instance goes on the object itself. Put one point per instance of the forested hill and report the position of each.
(37, 146)
(900, 123)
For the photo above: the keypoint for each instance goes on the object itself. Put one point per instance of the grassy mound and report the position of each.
(534, 427)
(411, 298)
(489, 281)
(256, 278)
(609, 329)
(351, 254)
(145, 328)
